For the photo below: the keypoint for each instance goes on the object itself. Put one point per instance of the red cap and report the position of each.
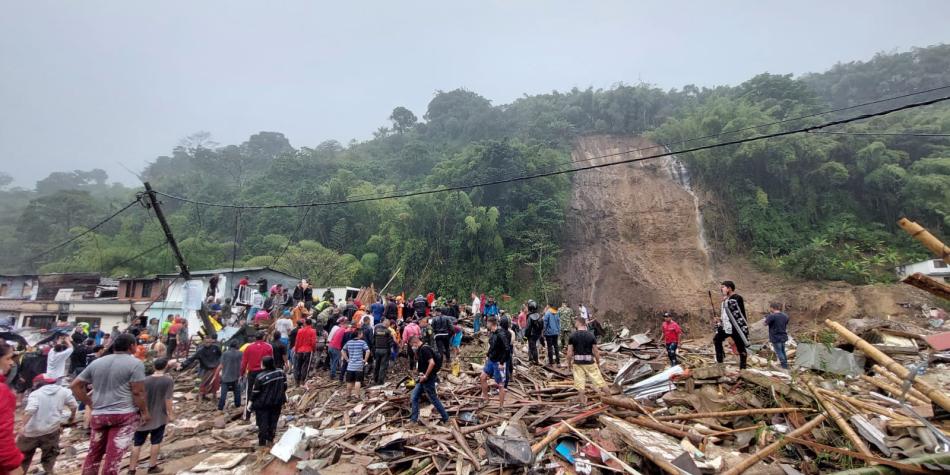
(43, 378)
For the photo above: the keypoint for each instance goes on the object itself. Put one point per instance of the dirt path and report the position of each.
(634, 247)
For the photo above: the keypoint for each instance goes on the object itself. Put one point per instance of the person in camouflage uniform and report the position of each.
(566, 317)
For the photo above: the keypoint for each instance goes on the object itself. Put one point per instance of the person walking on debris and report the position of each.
(208, 357)
(280, 352)
(442, 333)
(231, 375)
(505, 323)
(583, 359)
(268, 395)
(671, 337)
(565, 316)
(305, 343)
(732, 324)
(44, 419)
(252, 361)
(476, 312)
(420, 306)
(499, 345)
(410, 330)
(10, 455)
(428, 368)
(534, 330)
(552, 331)
(58, 356)
(777, 321)
(158, 394)
(382, 346)
(335, 345)
(355, 354)
(118, 405)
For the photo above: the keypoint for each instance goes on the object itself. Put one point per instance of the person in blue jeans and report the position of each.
(425, 382)
(230, 374)
(552, 330)
(777, 321)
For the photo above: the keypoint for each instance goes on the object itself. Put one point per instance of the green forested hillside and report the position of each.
(819, 205)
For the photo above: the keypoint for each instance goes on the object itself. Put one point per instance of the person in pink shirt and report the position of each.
(671, 337)
(335, 344)
(410, 330)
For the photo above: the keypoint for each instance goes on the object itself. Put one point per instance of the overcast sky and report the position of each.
(94, 83)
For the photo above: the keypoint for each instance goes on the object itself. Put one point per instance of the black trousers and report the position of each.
(533, 348)
(170, 346)
(267, 424)
(301, 367)
(380, 365)
(740, 347)
(442, 345)
(553, 355)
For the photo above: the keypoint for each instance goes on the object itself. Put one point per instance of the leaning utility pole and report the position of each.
(182, 266)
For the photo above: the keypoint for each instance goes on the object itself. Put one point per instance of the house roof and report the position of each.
(236, 270)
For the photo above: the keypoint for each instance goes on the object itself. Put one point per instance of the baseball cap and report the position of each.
(43, 378)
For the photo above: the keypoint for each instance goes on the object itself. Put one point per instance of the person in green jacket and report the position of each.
(566, 317)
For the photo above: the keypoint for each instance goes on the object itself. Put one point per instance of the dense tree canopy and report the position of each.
(817, 205)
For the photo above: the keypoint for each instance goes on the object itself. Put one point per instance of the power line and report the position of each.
(147, 251)
(87, 231)
(560, 172)
(888, 134)
(292, 237)
(726, 132)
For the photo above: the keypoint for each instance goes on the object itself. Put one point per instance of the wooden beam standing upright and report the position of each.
(929, 241)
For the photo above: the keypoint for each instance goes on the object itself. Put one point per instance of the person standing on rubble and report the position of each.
(268, 395)
(254, 354)
(732, 324)
(583, 359)
(777, 321)
(442, 333)
(552, 331)
(305, 343)
(382, 346)
(534, 330)
(428, 368)
(44, 412)
(476, 312)
(671, 337)
(118, 405)
(505, 323)
(208, 357)
(565, 316)
(231, 374)
(355, 354)
(335, 345)
(499, 345)
(411, 330)
(158, 393)
(10, 455)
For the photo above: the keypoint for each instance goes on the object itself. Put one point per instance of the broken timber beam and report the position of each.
(755, 458)
(781, 387)
(924, 237)
(894, 391)
(741, 412)
(840, 421)
(927, 284)
(894, 379)
(935, 395)
(660, 427)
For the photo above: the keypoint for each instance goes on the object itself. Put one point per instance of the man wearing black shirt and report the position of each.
(732, 324)
(583, 359)
(428, 376)
(499, 344)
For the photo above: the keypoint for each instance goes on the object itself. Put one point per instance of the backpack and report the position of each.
(535, 325)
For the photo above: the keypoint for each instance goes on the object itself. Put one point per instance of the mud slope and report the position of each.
(633, 238)
(634, 245)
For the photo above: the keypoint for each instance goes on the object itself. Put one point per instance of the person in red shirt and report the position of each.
(304, 345)
(251, 360)
(10, 455)
(671, 337)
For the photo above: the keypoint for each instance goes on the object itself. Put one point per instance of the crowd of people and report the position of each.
(123, 388)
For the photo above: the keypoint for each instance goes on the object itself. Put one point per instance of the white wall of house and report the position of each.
(936, 268)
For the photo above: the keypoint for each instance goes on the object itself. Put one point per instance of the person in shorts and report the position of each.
(583, 359)
(158, 394)
(499, 344)
(355, 354)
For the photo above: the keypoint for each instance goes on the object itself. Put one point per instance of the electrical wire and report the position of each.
(888, 134)
(149, 250)
(560, 172)
(292, 237)
(87, 231)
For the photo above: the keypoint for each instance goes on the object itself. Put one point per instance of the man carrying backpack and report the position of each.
(429, 364)
(534, 331)
(442, 333)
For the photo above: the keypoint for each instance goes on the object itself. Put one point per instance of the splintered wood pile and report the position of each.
(705, 418)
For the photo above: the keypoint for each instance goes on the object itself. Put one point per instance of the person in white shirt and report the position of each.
(45, 416)
(584, 312)
(476, 312)
(58, 356)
